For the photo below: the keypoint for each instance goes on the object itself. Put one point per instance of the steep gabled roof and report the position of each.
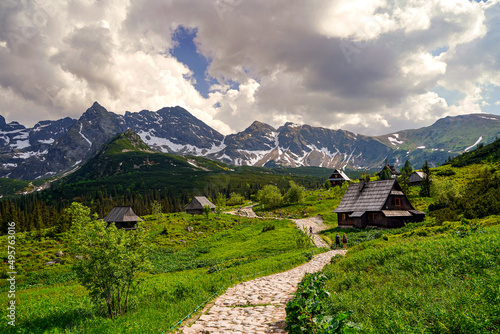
(372, 196)
(392, 169)
(341, 172)
(122, 214)
(199, 202)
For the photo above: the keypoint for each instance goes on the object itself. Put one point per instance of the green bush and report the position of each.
(270, 196)
(111, 259)
(235, 199)
(268, 227)
(308, 312)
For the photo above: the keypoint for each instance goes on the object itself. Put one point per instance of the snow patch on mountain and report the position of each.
(394, 140)
(164, 144)
(477, 142)
(26, 155)
(20, 144)
(46, 141)
(491, 118)
(88, 141)
(216, 148)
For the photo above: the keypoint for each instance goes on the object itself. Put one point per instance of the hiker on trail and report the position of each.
(310, 229)
(337, 241)
(344, 241)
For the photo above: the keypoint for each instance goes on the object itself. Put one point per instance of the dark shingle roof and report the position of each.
(199, 202)
(122, 214)
(372, 197)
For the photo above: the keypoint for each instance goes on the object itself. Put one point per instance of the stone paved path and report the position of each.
(317, 225)
(258, 306)
(246, 211)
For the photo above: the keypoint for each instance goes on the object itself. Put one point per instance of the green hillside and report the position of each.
(483, 153)
(448, 137)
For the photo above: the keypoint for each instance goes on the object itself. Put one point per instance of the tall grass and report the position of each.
(416, 284)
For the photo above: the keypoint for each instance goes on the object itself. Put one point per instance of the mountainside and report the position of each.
(54, 147)
(301, 145)
(486, 153)
(447, 137)
(127, 154)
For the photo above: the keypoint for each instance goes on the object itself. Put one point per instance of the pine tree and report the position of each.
(425, 185)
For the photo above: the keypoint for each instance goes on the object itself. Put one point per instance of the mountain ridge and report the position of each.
(53, 147)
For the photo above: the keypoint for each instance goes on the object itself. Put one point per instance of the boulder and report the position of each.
(189, 228)
(59, 254)
(49, 263)
(57, 260)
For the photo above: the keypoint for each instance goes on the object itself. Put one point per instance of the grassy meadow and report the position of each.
(189, 269)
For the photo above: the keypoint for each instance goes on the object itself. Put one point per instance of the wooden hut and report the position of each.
(338, 177)
(123, 217)
(416, 178)
(197, 204)
(394, 172)
(376, 204)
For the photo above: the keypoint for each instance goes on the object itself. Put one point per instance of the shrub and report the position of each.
(268, 227)
(111, 259)
(308, 312)
(269, 195)
(235, 199)
(295, 194)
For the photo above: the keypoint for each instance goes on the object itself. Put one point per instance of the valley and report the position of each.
(439, 275)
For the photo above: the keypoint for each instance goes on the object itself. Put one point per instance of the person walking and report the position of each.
(344, 241)
(310, 229)
(337, 241)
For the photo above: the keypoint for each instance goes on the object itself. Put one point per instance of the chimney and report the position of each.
(361, 185)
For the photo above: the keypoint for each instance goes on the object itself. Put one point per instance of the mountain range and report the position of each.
(55, 147)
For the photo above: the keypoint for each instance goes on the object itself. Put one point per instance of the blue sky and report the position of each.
(185, 51)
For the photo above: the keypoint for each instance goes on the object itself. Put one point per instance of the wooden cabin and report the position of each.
(379, 204)
(123, 217)
(197, 204)
(338, 178)
(394, 172)
(416, 178)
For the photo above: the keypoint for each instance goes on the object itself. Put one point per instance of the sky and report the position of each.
(368, 66)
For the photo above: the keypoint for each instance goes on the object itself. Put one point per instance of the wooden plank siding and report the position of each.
(379, 204)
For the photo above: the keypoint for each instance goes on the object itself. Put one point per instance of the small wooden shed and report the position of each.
(394, 172)
(123, 217)
(197, 204)
(376, 204)
(338, 177)
(416, 178)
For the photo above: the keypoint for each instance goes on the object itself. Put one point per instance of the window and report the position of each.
(371, 216)
(343, 216)
(397, 201)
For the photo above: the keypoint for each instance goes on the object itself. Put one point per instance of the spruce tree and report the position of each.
(425, 185)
